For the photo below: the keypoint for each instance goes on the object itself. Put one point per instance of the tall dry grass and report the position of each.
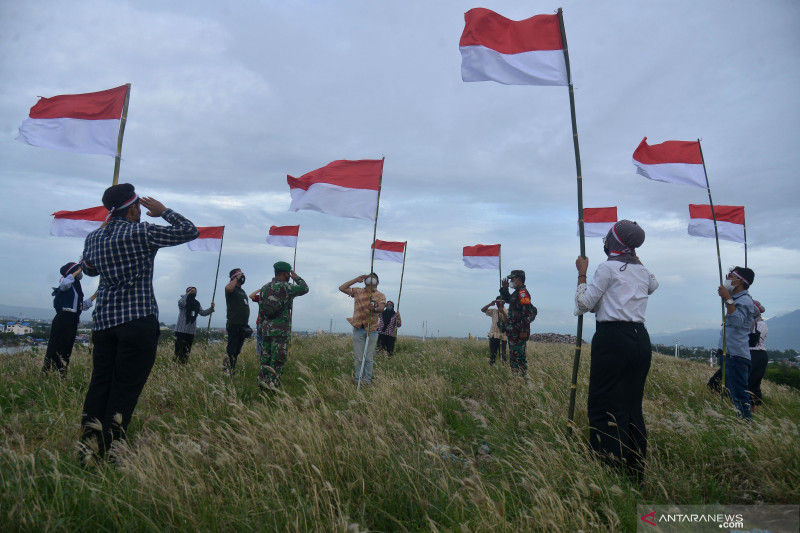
(439, 442)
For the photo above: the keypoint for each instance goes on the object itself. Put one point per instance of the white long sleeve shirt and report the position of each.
(618, 292)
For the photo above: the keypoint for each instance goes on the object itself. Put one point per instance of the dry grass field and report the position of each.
(439, 442)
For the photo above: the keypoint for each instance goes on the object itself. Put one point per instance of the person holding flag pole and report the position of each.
(389, 320)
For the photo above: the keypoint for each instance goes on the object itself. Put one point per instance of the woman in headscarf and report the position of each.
(388, 322)
(188, 310)
(621, 351)
(758, 355)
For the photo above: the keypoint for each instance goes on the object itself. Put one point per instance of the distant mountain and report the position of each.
(784, 333)
(36, 313)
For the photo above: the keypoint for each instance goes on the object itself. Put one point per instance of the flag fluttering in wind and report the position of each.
(389, 251)
(77, 223)
(83, 123)
(598, 220)
(730, 222)
(343, 188)
(672, 162)
(209, 240)
(283, 236)
(482, 256)
(524, 52)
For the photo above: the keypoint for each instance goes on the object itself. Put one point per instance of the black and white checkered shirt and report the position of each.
(122, 254)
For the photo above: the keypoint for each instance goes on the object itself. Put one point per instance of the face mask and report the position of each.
(606, 251)
(370, 281)
(728, 284)
(241, 280)
(390, 308)
(78, 276)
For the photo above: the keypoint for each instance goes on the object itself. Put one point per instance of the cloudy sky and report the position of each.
(230, 97)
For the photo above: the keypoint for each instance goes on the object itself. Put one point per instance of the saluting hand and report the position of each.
(154, 208)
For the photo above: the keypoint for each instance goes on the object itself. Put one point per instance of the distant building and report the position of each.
(19, 328)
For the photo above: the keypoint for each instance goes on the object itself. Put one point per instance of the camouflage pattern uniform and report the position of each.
(277, 331)
(518, 325)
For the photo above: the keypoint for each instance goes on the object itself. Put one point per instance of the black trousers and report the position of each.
(621, 355)
(122, 359)
(494, 345)
(758, 361)
(386, 343)
(236, 338)
(62, 339)
(183, 346)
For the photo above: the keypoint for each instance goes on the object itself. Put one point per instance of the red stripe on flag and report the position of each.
(211, 232)
(483, 250)
(484, 27)
(668, 152)
(103, 105)
(389, 246)
(599, 214)
(97, 214)
(360, 174)
(285, 230)
(724, 213)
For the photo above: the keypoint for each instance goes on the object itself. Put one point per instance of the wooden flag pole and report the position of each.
(122, 122)
(719, 262)
(294, 261)
(216, 276)
(371, 285)
(577, 358)
(402, 272)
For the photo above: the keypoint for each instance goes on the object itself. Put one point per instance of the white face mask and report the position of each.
(728, 284)
(370, 281)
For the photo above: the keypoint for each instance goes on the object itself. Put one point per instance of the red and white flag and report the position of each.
(597, 221)
(671, 161)
(342, 188)
(524, 52)
(482, 256)
(83, 123)
(283, 236)
(209, 240)
(389, 251)
(77, 223)
(730, 221)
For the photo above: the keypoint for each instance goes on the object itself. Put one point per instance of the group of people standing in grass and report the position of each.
(126, 329)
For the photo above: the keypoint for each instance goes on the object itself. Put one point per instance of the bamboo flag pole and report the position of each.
(577, 358)
(744, 225)
(122, 122)
(216, 276)
(371, 285)
(719, 262)
(402, 271)
(500, 263)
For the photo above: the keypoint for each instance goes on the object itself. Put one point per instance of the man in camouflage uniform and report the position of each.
(275, 314)
(516, 321)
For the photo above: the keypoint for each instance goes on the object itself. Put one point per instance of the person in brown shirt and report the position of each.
(368, 303)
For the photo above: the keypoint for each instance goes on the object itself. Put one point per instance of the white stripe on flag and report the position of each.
(537, 67)
(68, 227)
(386, 255)
(205, 245)
(335, 200)
(681, 173)
(71, 134)
(289, 241)
(481, 261)
(595, 229)
(703, 227)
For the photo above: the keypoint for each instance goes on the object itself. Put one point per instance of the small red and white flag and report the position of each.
(82, 123)
(671, 161)
(209, 240)
(283, 236)
(77, 223)
(343, 188)
(730, 222)
(389, 251)
(524, 52)
(597, 221)
(482, 256)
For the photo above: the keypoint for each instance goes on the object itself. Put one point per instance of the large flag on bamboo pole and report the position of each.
(343, 188)
(283, 236)
(730, 222)
(524, 52)
(389, 250)
(678, 162)
(209, 240)
(597, 221)
(86, 123)
(77, 223)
